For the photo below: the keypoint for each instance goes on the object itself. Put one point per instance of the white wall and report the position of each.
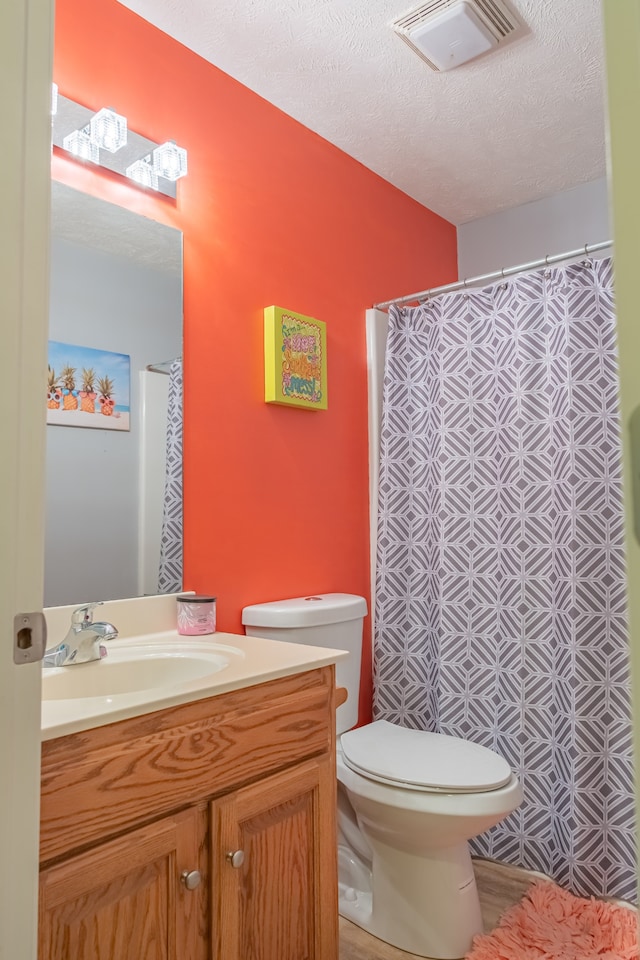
(108, 302)
(154, 407)
(553, 225)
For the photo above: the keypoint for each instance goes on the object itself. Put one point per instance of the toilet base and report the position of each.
(426, 905)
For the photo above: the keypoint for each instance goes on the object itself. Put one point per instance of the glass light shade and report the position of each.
(108, 130)
(80, 145)
(54, 99)
(170, 161)
(143, 173)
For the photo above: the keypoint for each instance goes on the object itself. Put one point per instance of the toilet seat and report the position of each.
(417, 760)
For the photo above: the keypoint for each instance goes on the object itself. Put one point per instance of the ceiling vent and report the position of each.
(447, 33)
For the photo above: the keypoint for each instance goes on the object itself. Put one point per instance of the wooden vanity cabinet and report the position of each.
(201, 832)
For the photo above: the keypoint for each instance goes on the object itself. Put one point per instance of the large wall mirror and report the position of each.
(116, 288)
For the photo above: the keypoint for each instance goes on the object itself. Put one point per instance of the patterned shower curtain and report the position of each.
(500, 608)
(170, 573)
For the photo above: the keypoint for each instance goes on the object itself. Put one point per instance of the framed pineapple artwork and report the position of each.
(87, 387)
(295, 359)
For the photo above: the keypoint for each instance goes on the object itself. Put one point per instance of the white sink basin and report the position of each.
(132, 667)
(143, 673)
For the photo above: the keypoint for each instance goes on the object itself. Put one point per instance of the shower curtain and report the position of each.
(500, 607)
(170, 573)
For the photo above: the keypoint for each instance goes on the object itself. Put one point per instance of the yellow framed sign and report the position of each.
(295, 359)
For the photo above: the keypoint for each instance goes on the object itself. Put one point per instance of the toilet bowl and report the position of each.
(408, 800)
(405, 872)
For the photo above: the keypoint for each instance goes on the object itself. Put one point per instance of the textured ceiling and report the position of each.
(516, 125)
(90, 222)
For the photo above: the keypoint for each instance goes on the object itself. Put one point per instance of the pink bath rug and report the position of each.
(551, 924)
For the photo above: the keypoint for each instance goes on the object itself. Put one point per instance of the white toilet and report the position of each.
(408, 801)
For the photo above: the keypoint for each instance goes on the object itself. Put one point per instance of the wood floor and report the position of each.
(499, 887)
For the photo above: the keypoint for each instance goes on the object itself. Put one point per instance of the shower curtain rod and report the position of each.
(497, 275)
(157, 367)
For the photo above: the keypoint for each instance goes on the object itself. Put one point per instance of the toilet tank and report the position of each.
(325, 620)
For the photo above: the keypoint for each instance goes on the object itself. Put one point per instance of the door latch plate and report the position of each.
(29, 637)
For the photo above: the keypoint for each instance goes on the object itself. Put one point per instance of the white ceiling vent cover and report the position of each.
(447, 33)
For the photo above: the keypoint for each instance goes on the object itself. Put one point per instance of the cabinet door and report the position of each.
(125, 900)
(280, 902)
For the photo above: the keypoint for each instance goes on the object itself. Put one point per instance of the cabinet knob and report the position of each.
(236, 858)
(190, 878)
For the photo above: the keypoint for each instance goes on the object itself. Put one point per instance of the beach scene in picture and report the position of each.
(87, 387)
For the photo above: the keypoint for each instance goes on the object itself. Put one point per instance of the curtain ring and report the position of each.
(546, 259)
(586, 249)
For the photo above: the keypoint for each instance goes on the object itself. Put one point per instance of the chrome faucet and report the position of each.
(82, 642)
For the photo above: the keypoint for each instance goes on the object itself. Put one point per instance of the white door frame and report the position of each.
(622, 45)
(25, 78)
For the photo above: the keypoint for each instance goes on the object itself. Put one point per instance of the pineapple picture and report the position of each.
(106, 401)
(88, 387)
(68, 379)
(53, 389)
(88, 393)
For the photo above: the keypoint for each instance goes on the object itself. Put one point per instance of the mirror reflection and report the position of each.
(113, 496)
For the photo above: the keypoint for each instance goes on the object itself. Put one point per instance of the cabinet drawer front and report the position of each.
(112, 778)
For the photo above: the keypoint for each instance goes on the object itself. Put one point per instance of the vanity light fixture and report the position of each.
(143, 173)
(108, 130)
(105, 138)
(170, 161)
(82, 146)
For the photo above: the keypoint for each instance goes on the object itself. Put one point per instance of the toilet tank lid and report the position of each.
(313, 610)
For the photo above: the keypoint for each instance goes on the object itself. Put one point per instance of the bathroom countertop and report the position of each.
(254, 660)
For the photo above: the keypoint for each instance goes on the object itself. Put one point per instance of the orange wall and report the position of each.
(276, 499)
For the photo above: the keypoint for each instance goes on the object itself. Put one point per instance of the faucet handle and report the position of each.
(84, 613)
